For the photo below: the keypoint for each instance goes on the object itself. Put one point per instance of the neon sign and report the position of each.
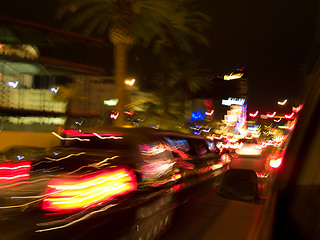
(13, 84)
(195, 116)
(55, 90)
(233, 101)
(130, 82)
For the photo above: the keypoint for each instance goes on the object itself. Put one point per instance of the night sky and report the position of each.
(271, 39)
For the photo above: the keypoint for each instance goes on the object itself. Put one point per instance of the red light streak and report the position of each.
(204, 169)
(12, 172)
(297, 109)
(76, 133)
(254, 114)
(114, 114)
(208, 102)
(271, 115)
(88, 191)
(289, 116)
(291, 127)
(129, 113)
(275, 163)
(209, 113)
(261, 186)
(174, 178)
(178, 187)
(182, 154)
(225, 158)
(185, 165)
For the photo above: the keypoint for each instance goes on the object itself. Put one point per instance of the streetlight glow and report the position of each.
(111, 102)
(129, 82)
(283, 103)
(271, 115)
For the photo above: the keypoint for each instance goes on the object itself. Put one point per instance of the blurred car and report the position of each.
(227, 145)
(248, 147)
(94, 174)
(252, 155)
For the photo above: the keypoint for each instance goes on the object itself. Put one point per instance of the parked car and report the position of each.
(94, 174)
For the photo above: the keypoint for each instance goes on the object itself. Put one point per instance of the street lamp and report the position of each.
(129, 82)
(283, 103)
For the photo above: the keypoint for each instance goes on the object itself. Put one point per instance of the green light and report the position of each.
(111, 102)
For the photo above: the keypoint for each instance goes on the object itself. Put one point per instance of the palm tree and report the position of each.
(186, 77)
(191, 24)
(124, 22)
(69, 94)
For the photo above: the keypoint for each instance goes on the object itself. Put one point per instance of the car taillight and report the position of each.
(275, 163)
(14, 171)
(77, 194)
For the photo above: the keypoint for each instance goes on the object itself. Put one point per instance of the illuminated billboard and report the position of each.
(233, 101)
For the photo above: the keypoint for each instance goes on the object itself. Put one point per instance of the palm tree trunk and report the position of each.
(165, 79)
(68, 122)
(120, 61)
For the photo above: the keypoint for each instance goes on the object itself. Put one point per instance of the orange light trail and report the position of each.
(75, 221)
(62, 158)
(73, 138)
(107, 137)
(76, 194)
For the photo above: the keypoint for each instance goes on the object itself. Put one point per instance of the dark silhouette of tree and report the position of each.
(125, 23)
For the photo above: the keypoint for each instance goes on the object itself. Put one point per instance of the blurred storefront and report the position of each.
(39, 88)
